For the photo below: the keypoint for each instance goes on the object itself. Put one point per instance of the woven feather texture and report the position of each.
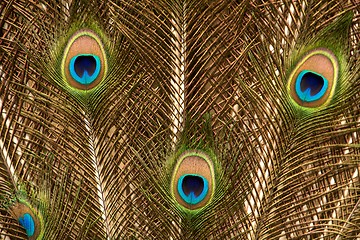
(171, 119)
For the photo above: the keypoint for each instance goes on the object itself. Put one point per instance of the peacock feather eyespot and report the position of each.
(29, 218)
(193, 181)
(313, 80)
(84, 63)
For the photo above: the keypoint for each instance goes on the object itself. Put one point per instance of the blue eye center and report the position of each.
(313, 82)
(84, 64)
(28, 223)
(193, 184)
(85, 68)
(310, 86)
(192, 188)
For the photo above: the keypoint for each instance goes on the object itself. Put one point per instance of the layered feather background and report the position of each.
(182, 76)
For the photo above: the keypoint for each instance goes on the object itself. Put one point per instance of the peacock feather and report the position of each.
(179, 119)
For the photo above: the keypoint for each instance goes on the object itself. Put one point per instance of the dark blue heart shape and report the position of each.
(192, 188)
(85, 68)
(28, 223)
(310, 86)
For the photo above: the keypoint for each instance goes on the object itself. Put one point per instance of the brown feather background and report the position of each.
(207, 75)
